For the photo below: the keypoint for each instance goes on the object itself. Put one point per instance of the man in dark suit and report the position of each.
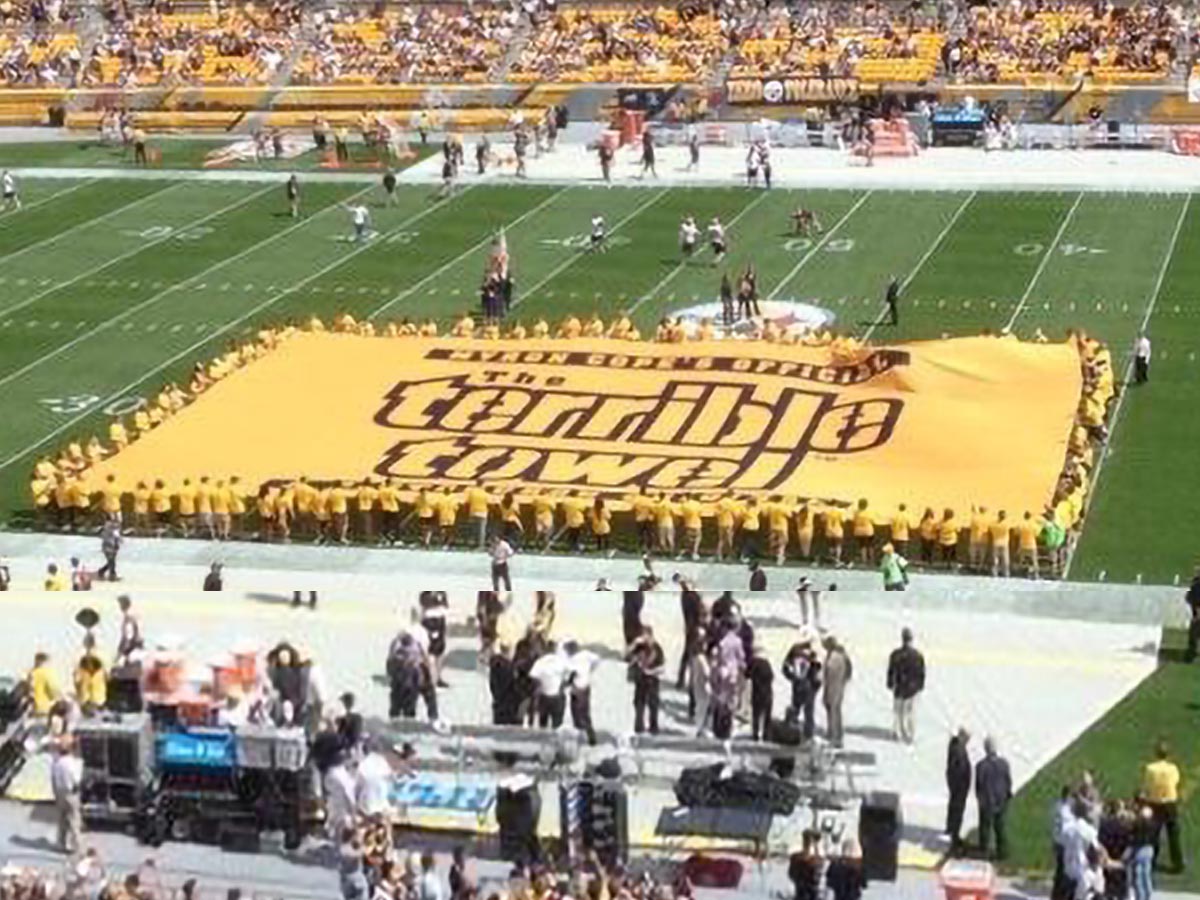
(958, 783)
(892, 298)
(1192, 598)
(993, 790)
(905, 679)
(758, 578)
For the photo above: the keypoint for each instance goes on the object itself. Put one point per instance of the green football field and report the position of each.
(109, 288)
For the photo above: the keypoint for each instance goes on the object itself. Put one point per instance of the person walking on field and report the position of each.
(1160, 787)
(894, 569)
(993, 790)
(838, 672)
(66, 778)
(1141, 359)
(906, 680)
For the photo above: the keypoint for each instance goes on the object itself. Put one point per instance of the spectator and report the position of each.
(906, 680)
(958, 784)
(213, 581)
(66, 778)
(993, 790)
(110, 545)
(844, 876)
(838, 672)
(1160, 787)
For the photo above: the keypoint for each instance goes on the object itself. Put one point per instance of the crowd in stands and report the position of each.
(1015, 41)
(405, 44)
(613, 44)
(237, 45)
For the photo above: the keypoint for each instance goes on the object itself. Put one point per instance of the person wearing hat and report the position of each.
(894, 569)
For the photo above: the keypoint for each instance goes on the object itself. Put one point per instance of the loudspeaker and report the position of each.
(879, 823)
(517, 813)
(125, 689)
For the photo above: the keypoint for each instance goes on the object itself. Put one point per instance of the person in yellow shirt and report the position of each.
(948, 535)
(806, 521)
(1027, 543)
(574, 509)
(55, 580)
(570, 328)
(425, 508)
(42, 491)
(927, 530)
(594, 327)
(160, 507)
(305, 495)
(447, 508)
(117, 435)
(322, 514)
(339, 513)
(91, 679)
(511, 527)
(80, 499)
(541, 329)
(1000, 535)
(643, 519)
(899, 529)
(833, 519)
(266, 505)
(284, 506)
(727, 515)
(863, 526)
(1160, 787)
(478, 499)
(221, 500)
(237, 505)
(389, 512)
(365, 500)
(64, 510)
(141, 508)
(664, 524)
(620, 327)
(779, 516)
(44, 691)
(691, 512)
(977, 549)
(464, 327)
(429, 328)
(543, 519)
(204, 511)
(600, 520)
(750, 526)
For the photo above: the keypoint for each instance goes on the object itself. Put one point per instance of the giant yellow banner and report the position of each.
(941, 423)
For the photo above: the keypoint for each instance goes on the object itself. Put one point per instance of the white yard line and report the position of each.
(933, 248)
(1124, 385)
(650, 294)
(575, 257)
(475, 248)
(819, 244)
(28, 301)
(1012, 320)
(224, 329)
(58, 235)
(25, 207)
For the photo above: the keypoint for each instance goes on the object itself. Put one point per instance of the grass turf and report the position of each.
(109, 288)
(1114, 749)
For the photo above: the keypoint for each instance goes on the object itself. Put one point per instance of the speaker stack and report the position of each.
(703, 786)
(594, 816)
(518, 810)
(879, 824)
(117, 758)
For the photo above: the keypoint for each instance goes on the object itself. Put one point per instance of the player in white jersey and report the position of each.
(361, 217)
(716, 238)
(688, 234)
(12, 199)
(599, 235)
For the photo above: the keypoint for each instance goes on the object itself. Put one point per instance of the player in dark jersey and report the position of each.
(648, 154)
(606, 161)
(389, 186)
(293, 195)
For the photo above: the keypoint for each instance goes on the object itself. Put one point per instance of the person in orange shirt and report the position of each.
(185, 507)
(901, 525)
(204, 510)
(835, 531)
(141, 508)
(322, 514)
(478, 499)
(601, 521)
(365, 500)
(928, 531)
(110, 499)
(863, 526)
(693, 525)
(425, 507)
(160, 507)
(265, 505)
(222, 499)
(948, 538)
(977, 549)
(805, 528)
(1000, 533)
(727, 513)
(305, 495)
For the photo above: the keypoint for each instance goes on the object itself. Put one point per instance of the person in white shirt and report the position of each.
(1079, 840)
(688, 233)
(580, 666)
(599, 233)
(66, 777)
(1141, 359)
(361, 217)
(716, 237)
(549, 675)
(340, 799)
(428, 887)
(501, 553)
(375, 776)
(12, 200)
